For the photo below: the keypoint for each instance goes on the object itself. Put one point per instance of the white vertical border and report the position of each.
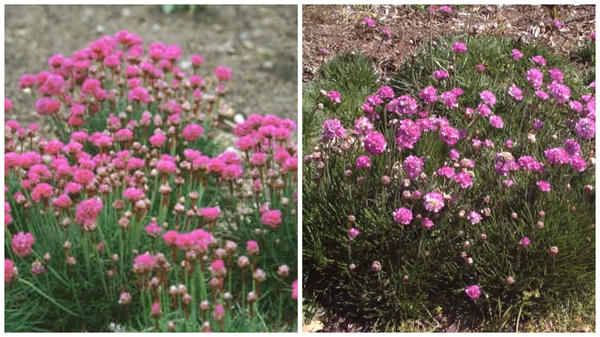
(301, 159)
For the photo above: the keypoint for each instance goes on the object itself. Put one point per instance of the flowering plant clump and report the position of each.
(135, 217)
(471, 188)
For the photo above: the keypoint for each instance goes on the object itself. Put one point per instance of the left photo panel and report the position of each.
(151, 168)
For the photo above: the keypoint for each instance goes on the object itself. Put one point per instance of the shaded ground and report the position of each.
(259, 43)
(340, 29)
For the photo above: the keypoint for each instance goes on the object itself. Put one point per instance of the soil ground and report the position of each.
(340, 29)
(259, 43)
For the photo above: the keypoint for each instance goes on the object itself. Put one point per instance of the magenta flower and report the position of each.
(459, 47)
(474, 218)
(192, 131)
(21, 243)
(87, 211)
(353, 233)
(433, 202)
(488, 97)
(516, 54)
(428, 95)
(412, 166)
(515, 92)
(403, 215)
(543, 186)
(252, 247)
(408, 134)
(10, 270)
(332, 129)
(535, 77)
(362, 126)
(585, 128)
(449, 135)
(223, 73)
(524, 242)
(153, 229)
(440, 75)
(375, 143)
(496, 121)
(295, 290)
(271, 218)
(369, 22)
(539, 59)
(334, 96)
(363, 162)
(473, 292)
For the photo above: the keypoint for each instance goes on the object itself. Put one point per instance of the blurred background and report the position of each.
(259, 43)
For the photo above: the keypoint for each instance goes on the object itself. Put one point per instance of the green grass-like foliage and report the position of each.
(423, 275)
(84, 296)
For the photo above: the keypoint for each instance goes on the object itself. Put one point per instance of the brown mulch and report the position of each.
(340, 29)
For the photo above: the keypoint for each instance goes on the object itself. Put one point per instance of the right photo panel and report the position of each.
(448, 168)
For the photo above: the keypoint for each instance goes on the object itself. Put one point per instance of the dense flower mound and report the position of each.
(135, 218)
(454, 180)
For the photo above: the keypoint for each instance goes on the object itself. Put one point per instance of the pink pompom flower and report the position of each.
(271, 218)
(21, 243)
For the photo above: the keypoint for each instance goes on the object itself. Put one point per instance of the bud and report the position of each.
(376, 266)
(259, 275)
(124, 298)
(554, 250)
(243, 261)
(510, 280)
(251, 297)
(283, 271)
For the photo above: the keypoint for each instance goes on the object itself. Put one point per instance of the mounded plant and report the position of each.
(136, 217)
(461, 191)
